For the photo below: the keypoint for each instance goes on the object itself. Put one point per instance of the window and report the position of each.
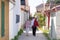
(17, 18)
(22, 2)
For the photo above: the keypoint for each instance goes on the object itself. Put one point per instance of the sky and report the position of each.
(33, 4)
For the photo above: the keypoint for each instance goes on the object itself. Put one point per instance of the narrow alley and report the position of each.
(29, 19)
(39, 36)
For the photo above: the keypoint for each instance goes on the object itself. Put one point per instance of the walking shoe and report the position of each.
(27, 35)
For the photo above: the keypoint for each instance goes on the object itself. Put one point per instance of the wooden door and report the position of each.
(4, 20)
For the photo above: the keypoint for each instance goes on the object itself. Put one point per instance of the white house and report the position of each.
(25, 12)
(18, 15)
(14, 18)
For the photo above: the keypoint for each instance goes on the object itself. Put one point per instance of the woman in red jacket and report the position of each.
(34, 27)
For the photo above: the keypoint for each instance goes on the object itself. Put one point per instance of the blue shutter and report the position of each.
(17, 18)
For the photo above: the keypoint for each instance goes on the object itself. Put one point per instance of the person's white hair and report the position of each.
(35, 16)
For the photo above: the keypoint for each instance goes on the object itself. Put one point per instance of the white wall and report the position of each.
(53, 25)
(23, 17)
(57, 18)
(58, 24)
(13, 26)
(11, 21)
(54, 19)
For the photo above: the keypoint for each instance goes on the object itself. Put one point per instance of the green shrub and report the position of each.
(16, 38)
(19, 33)
(41, 19)
(45, 32)
(12, 39)
(46, 35)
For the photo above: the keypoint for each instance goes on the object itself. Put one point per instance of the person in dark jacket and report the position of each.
(34, 27)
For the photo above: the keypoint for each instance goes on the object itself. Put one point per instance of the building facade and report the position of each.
(13, 14)
(25, 11)
(18, 14)
(14, 18)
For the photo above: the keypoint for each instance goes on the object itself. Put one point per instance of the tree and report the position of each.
(56, 1)
(41, 19)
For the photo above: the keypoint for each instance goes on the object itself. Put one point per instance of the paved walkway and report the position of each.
(39, 36)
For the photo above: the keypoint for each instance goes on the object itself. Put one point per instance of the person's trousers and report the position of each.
(34, 30)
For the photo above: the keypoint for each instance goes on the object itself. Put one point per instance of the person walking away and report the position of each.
(34, 27)
(27, 26)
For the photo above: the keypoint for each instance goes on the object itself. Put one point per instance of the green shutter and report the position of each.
(2, 20)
